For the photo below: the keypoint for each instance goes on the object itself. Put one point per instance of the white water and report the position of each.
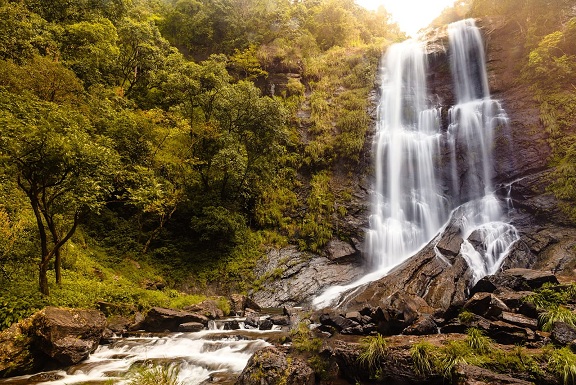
(197, 356)
(411, 200)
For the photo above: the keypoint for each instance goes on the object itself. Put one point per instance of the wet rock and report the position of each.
(252, 320)
(232, 325)
(160, 319)
(562, 333)
(423, 325)
(46, 377)
(137, 322)
(190, 327)
(68, 335)
(356, 317)
(486, 305)
(266, 324)
(474, 375)
(270, 366)
(208, 308)
(484, 285)
(400, 311)
(513, 299)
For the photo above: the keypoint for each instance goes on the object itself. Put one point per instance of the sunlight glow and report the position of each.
(411, 15)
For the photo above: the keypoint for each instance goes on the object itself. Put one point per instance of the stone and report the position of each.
(337, 321)
(281, 320)
(562, 333)
(508, 334)
(161, 319)
(68, 335)
(118, 324)
(137, 322)
(337, 250)
(400, 311)
(355, 316)
(486, 305)
(302, 276)
(271, 366)
(232, 325)
(266, 324)
(449, 244)
(252, 320)
(423, 325)
(519, 320)
(190, 327)
(484, 285)
(208, 308)
(240, 302)
(528, 279)
(16, 357)
(474, 375)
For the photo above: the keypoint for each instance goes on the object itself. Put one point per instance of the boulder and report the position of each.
(562, 333)
(519, 320)
(423, 325)
(524, 279)
(161, 319)
(266, 324)
(271, 366)
(474, 375)
(208, 308)
(281, 320)
(486, 305)
(240, 302)
(399, 311)
(190, 327)
(16, 357)
(449, 244)
(340, 251)
(68, 335)
(508, 334)
(232, 325)
(118, 324)
(337, 321)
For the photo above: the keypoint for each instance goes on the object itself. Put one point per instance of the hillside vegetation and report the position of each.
(151, 148)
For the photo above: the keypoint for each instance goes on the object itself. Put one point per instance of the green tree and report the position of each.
(63, 170)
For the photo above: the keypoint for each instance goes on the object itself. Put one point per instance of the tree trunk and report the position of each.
(43, 279)
(58, 266)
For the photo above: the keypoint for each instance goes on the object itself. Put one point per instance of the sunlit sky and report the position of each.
(411, 15)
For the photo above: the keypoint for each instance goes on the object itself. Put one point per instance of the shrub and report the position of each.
(424, 358)
(562, 362)
(156, 375)
(556, 314)
(373, 351)
(478, 342)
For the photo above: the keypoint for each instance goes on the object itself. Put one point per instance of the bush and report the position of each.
(424, 358)
(556, 314)
(562, 362)
(372, 352)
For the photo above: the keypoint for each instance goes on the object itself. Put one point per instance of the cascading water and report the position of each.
(409, 208)
(425, 174)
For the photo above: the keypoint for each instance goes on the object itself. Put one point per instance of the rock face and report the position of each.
(295, 277)
(270, 366)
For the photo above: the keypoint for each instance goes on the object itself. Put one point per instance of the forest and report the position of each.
(152, 150)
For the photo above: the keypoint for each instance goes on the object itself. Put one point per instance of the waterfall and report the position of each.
(408, 206)
(426, 174)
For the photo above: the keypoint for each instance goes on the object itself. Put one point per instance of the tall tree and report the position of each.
(63, 170)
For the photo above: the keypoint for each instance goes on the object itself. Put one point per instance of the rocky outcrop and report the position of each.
(271, 366)
(291, 277)
(51, 338)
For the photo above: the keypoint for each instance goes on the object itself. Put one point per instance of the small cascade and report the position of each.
(197, 357)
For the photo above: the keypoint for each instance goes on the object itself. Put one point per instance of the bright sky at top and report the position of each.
(411, 15)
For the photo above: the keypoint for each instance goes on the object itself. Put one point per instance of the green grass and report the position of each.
(373, 350)
(424, 358)
(562, 362)
(155, 375)
(557, 313)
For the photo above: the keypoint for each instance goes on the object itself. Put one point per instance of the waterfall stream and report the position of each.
(427, 174)
(210, 356)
